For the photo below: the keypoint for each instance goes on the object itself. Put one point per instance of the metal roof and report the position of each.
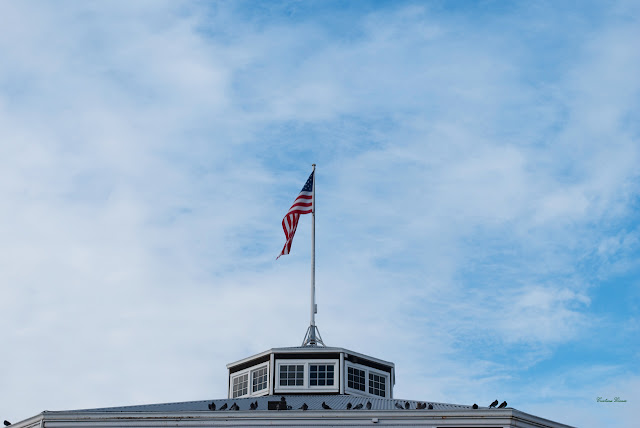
(314, 403)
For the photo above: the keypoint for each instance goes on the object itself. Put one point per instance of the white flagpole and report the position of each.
(313, 256)
(313, 338)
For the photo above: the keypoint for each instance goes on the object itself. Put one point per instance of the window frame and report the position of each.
(367, 370)
(306, 381)
(251, 372)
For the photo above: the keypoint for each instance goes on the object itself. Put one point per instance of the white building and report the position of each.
(309, 386)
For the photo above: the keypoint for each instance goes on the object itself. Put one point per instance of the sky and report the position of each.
(477, 198)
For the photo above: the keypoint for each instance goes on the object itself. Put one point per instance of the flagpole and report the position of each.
(313, 257)
(313, 338)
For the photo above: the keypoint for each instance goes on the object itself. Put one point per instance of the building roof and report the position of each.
(314, 402)
(197, 413)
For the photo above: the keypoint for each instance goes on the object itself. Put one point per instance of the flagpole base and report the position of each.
(313, 338)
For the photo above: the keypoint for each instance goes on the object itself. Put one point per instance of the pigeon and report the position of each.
(421, 405)
(399, 406)
(475, 406)
(7, 423)
(348, 406)
(494, 404)
(357, 406)
(325, 406)
(368, 405)
(253, 406)
(234, 406)
(224, 407)
(304, 406)
(430, 406)
(212, 406)
(407, 405)
(503, 405)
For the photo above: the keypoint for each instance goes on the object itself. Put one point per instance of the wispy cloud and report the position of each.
(477, 187)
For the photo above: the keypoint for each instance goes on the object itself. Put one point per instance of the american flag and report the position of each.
(302, 205)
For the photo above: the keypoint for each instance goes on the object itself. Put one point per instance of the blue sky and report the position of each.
(477, 197)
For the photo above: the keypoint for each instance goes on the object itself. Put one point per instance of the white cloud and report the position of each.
(149, 152)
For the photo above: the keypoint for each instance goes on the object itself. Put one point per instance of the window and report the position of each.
(240, 385)
(366, 381)
(321, 374)
(377, 384)
(307, 375)
(292, 375)
(259, 379)
(355, 378)
(252, 381)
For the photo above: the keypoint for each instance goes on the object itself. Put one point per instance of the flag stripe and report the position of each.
(303, 204)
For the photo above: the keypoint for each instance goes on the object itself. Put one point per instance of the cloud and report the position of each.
(472, 176)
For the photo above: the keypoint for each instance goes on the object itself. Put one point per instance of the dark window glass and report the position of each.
(377, 384)
(291, 375)
(321, 375)
(355, 378)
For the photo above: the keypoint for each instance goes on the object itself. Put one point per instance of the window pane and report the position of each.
(321, 374)
(292, 375)
(377, 384)
(260, 379)
(240, 385)
(355, 378)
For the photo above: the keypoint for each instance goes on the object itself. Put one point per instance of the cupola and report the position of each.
(311, 370)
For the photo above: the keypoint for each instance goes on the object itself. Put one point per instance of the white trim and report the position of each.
(271, 370)
(342, 373)
(278, 389)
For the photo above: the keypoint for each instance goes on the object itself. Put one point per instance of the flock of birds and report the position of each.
(282, 405)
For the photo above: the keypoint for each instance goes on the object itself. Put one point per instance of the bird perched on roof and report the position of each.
(407, 405)
(234, 406)
(503, 405)
(420, 405)
(224, 407)
(325, 406)
(475, 406)
(212, 406)
(430, 406)
(399, 406)
(253, 406)
(357, 406)
(7, 423)
(368, 405)
(304, 406)
(494, 404)
(348, 406)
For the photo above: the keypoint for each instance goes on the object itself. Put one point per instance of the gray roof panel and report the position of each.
(336, 402)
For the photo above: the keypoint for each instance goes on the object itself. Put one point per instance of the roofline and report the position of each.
(310, 350)
(29, 422)
(488, 416)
